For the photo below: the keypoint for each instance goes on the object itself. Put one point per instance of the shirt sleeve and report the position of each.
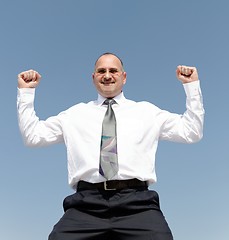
(36, 132)
(187, 127)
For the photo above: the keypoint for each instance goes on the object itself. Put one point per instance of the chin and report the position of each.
(108, 95)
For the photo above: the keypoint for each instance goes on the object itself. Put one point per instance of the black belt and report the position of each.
(112, 185)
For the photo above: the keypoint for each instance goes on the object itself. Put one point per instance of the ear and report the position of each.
(124, 78)
(93, 77)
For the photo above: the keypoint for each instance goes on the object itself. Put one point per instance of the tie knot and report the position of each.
(109, 101)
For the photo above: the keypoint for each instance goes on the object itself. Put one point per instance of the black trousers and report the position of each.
(128, 214)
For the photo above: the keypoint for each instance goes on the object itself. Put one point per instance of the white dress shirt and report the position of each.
(140, 125)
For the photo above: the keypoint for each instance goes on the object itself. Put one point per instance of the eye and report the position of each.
(113, 70)
(101, 71)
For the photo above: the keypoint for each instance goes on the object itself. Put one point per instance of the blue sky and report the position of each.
(61, 40)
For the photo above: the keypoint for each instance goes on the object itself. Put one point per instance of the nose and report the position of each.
(107, 75)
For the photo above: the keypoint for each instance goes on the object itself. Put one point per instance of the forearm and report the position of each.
(194, 115)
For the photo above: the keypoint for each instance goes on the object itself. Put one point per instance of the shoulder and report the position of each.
(145, 105)
(141, 107)
(78, 107)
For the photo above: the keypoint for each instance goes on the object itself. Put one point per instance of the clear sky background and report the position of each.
(61, 40)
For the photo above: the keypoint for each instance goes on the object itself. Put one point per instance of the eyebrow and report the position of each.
(112, 68)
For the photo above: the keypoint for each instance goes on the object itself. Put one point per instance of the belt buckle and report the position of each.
(107, 188)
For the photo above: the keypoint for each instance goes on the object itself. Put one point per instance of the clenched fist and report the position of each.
(187, 74)
(28, 79)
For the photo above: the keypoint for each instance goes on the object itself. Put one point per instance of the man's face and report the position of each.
(109, 76)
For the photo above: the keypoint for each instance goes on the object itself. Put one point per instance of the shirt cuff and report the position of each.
(192, 89)
(25, 94)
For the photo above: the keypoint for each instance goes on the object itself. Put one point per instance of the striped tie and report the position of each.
(108, 155)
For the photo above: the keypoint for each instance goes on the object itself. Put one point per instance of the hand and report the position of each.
(28, 79)
(187, 74)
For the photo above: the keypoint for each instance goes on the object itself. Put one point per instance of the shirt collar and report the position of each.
(119, 99)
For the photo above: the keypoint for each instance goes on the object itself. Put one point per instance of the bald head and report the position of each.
(109, 53)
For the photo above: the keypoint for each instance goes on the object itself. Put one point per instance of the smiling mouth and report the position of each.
(107, 83)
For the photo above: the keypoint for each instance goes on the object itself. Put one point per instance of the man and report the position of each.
(112, 199)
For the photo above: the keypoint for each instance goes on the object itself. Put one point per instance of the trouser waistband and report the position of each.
(112, 185)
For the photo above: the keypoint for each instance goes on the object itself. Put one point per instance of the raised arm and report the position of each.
(35, 132)
(187, 127)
